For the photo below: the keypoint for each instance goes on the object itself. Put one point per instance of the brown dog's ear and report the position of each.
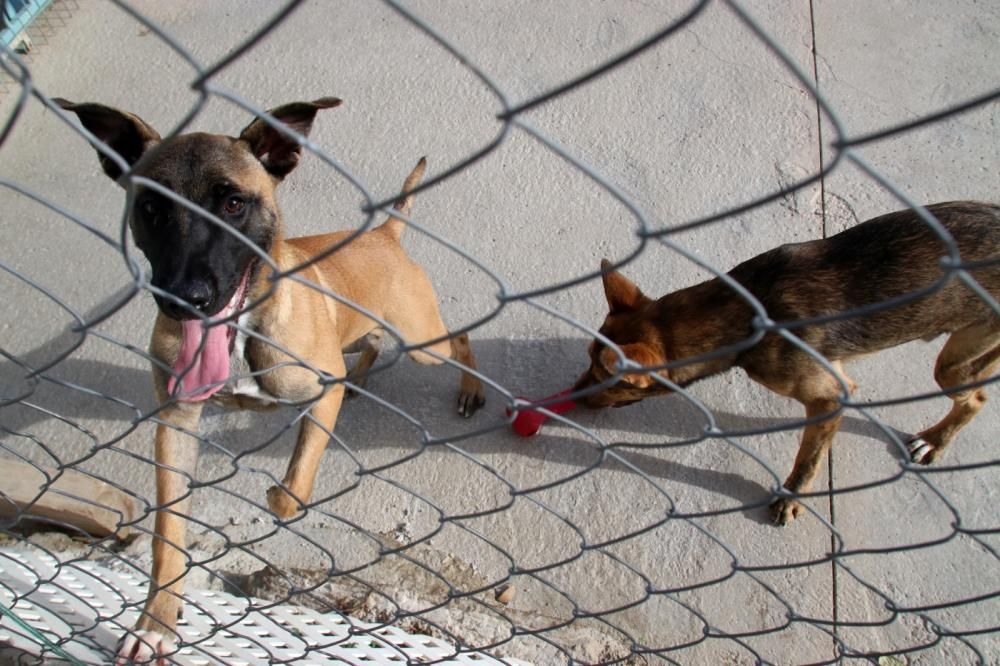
(640, 352)
(279, 153)
(622, 293)
(125, 133)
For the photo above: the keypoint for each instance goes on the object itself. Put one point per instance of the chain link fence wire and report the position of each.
(625, 536)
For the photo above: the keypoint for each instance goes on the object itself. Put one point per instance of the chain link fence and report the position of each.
(637, 535)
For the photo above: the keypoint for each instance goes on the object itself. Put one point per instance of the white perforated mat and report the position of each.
(75, 612)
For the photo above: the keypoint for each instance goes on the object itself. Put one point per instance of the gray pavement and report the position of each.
(707, 120)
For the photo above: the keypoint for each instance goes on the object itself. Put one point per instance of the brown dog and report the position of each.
(289, 341)
(873, 262)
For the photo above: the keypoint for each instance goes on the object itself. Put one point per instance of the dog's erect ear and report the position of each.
(640, 352)
(622, 293)
(279, 153)
(125, 133)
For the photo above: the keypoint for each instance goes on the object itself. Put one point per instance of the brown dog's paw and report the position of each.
(282, 504)
(145, 647)
(470, 401)
(784, 511)
(922, 452)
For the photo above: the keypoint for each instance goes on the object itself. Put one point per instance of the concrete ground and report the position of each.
(707, 120)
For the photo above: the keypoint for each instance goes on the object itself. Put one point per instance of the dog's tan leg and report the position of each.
(816, 441)
(470, 394)
(176, 457)
(358, 375)
(297, 487)
(970, 355)
(470, 389)
(421, 320)
(819, 391)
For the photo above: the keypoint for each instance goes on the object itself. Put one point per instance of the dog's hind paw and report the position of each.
(784, 511)
(921, 451)
(145, 647)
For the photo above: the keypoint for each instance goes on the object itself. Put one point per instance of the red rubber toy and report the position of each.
(528, 421)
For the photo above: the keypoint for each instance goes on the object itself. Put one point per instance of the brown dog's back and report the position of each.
(885, 258)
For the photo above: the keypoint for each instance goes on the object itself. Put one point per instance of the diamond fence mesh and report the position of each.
(681, 139)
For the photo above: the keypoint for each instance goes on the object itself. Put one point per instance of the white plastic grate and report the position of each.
(83, 608)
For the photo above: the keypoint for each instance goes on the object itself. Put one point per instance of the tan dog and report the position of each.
(873, 262)
(205, 277)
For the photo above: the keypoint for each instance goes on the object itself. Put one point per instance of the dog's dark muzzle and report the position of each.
(601, 397)
(199, 296)
(595, 398)
(191, 298)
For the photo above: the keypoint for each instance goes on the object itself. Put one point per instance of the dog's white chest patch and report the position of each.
(242, 382)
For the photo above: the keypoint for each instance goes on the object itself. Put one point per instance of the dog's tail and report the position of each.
(395, 225)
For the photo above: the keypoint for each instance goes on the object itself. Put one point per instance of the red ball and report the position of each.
(528, 421)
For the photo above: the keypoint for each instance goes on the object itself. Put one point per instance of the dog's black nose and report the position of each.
(196, 293)
(199, 297)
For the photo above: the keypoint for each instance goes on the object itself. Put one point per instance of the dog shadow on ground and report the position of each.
(109, 398)
(643, 434)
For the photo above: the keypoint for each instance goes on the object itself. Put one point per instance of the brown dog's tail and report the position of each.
(395, 225)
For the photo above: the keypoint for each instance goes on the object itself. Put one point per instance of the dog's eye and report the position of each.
(234, 206)
(150, 208)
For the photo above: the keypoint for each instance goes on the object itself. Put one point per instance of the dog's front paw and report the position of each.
(145, 647)
(282, 504)
(470, 400)
(922, 452)
(784, 511)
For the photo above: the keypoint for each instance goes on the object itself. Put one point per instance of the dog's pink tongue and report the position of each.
(205, 367)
